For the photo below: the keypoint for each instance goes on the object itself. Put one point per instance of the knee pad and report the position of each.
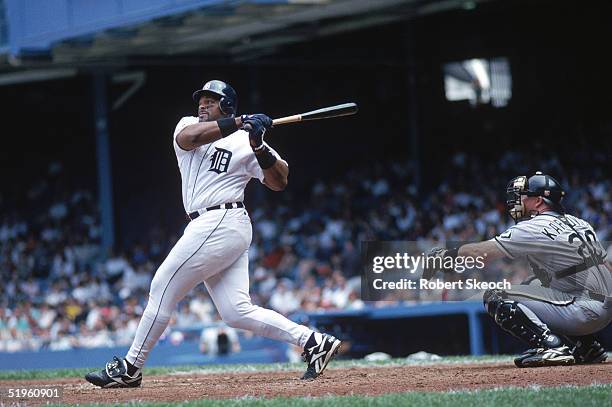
(491, 299)
(511, 318)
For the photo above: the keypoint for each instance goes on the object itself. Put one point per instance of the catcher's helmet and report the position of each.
(537, 185)
(228, 102)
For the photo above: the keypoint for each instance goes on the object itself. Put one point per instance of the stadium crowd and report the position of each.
(61, 290)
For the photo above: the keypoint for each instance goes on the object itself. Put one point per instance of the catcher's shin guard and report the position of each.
(511, 318)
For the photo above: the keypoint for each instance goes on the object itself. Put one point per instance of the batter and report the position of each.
(217, 154)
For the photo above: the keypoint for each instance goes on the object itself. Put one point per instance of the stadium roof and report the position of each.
(221, 30)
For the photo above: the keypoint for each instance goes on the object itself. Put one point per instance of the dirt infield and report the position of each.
(340, 381)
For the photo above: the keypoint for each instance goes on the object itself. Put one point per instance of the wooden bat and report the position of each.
(345, 109)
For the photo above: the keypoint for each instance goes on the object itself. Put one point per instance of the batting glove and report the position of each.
(265, 120)
(256, 131)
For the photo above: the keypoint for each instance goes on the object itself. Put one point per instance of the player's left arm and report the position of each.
(275, 171)
(488, 250)
(275, 177)
(515, 241)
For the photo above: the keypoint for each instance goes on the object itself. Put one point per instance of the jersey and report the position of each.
(551, 244)
(218, 172)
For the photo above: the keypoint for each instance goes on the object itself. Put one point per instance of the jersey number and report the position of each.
(589, 242)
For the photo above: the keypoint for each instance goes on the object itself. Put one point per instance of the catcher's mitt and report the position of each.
(430, 272)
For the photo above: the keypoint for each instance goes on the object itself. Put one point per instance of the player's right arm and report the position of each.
(197, 134)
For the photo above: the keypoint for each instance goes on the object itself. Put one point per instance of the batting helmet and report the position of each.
(228, 102)
(537, 185)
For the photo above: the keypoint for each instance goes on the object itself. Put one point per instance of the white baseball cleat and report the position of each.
(545, 357)
(318, 352)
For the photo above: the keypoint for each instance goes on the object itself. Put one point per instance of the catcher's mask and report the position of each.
(537, 185)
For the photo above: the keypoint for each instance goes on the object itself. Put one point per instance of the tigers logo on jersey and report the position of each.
(220, 160)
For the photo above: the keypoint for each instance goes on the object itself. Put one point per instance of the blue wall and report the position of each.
(457, 328)
(255, 350)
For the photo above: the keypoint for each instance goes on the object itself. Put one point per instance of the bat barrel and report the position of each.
(344, 109)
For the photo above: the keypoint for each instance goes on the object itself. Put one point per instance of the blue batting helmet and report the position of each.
(228, 102)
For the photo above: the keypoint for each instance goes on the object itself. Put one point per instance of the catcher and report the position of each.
(557, 315)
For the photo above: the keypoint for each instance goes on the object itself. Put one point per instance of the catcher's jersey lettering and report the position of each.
(558, 227)
(220, 160)
(551, 245)
(231, 165)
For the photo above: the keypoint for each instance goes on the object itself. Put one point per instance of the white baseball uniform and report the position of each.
(574, 295)
(213, 248)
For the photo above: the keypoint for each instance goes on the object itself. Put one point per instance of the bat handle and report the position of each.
(286, 120)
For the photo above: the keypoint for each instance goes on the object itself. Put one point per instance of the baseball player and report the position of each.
(217, 153)
(557, 315)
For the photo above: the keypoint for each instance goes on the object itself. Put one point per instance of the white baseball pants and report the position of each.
(213, 249)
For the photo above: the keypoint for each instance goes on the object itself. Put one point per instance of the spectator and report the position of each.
(219, 340)
(305, 256)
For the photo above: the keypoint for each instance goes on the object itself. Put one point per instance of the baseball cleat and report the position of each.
(545, 357)
(115, 374)
(600, 359)
(588, 350)
(586, 360)
(318, 352)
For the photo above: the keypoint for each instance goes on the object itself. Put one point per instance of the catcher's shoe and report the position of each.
(601, 358)
(319, 350)
(115, 374)
(545, 357)
(587, 350)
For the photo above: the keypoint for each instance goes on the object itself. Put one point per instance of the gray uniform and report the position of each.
(573, 295)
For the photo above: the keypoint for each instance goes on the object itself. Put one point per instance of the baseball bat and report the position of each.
(345, 109)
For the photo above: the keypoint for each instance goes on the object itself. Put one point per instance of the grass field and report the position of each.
(502, 395)
(596, 396)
